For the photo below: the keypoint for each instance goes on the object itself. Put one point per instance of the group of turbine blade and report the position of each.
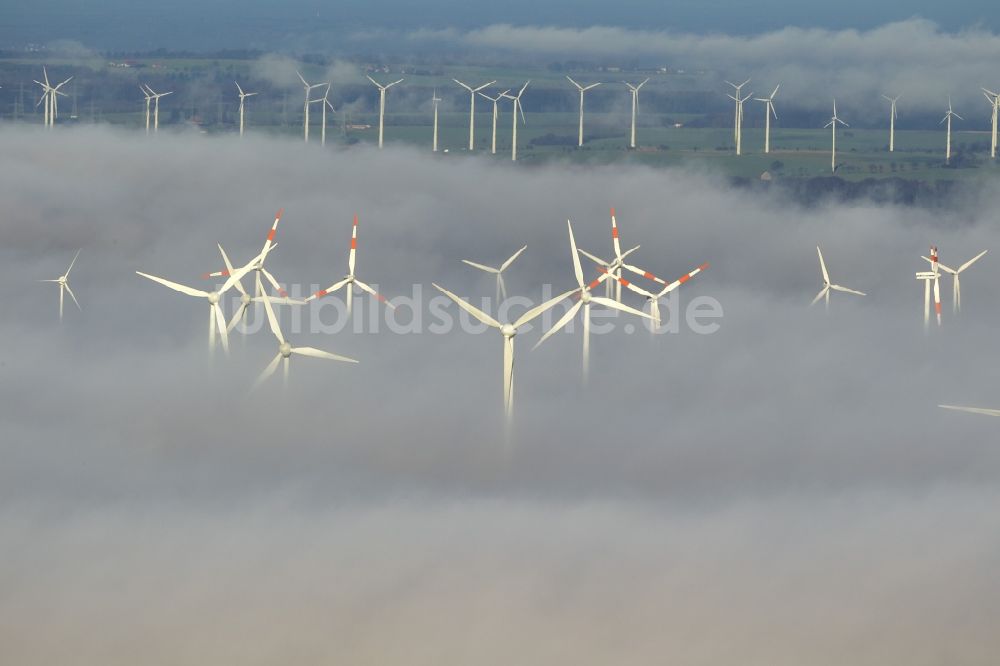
(932, 278)
(828, 286)
(613, 269)
(63, 282)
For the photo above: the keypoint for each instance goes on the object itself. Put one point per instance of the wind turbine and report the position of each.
(892, 121)
(768, 112)
(381, 104)
(947, 118)
(635, 106)
(324, 103)
(994, 100)
(833, 125)
(472, 109)
(216, 319)
(305, 107)
(435, 100)
(496, 114)
(351, 279)
(508, 331)
(501, 288)
(516, 110)
(285, 349)
(828, 286)
(50, 96)
(738, 114)
(620, 263)
(586, 299)
(582, 90)
(156, 106)
(956, 285)
(243, 96)
(928, 277)
(63, 282)
(46, 92)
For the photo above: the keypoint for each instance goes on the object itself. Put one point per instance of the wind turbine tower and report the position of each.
(947, 119)
(435, 100)
(472, 109)
(582, 90)
(833, 126)
(768, 112)
(738, 114)
(496, 114)
(994, 100)
(635, 106)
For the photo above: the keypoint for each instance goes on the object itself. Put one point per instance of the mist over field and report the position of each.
(781, 491)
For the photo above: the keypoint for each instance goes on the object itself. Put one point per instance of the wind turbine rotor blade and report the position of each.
(73, 296)
(229, 270)
(268, 371)
(220, 323)
(319, 353)
(274, 283)
(596, 260)
(238, 316)
(468, 307)
(972, 410)
(273, 321)
(329, 290)
(379, 297)
(352, 255)
(508, 374)
(615, 305)
(235, 277)
(481, 267)
(577, 270)
(541, 308)
(78, 254)
(822, 266)
(561, 323)
(837, 287)
(301, 79)
(513, 257)
(646, 274)
(960, 268)
(574, 82)
(175, 286)
(823, 292)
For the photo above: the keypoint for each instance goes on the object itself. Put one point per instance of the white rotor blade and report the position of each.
(514, 256)
(837, 287)
(175, 286)
(71, 295)
(596, 260)
(561, 323)
(319, 353)
(481, 267)
(268, 371)
(822, 266)
(615, 305)
(220, 323)
(379, 297)
(274, 283)
(229, 269)
(78, 254)
(468, 307)
(577, 270)
(273, 321)
(539, 309)
(240, 311)
(960, 268)
(329, 290)
(972, 410)
(820, 295)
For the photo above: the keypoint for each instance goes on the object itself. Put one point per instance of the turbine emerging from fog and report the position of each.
(472, 109)
(768, 112)
(583, 290)
(50, 97)
(956, 285)
(947, 119)
(994, 100)
(508, 331)
(435, 100)
(496, 114)
(350, 280)
(892, 121)
(738, 114)
(635, 106)
(501, 288)
(933, 275)
(582, 90)
(829, 286)
(381, 105)
(285, 349)
(149, 107)
(155, 96)
(63, 282)
(833, 145)
(305, 107)
(518, 109)
(243, 96)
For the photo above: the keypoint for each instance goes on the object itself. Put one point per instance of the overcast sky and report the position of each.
(783, 491)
